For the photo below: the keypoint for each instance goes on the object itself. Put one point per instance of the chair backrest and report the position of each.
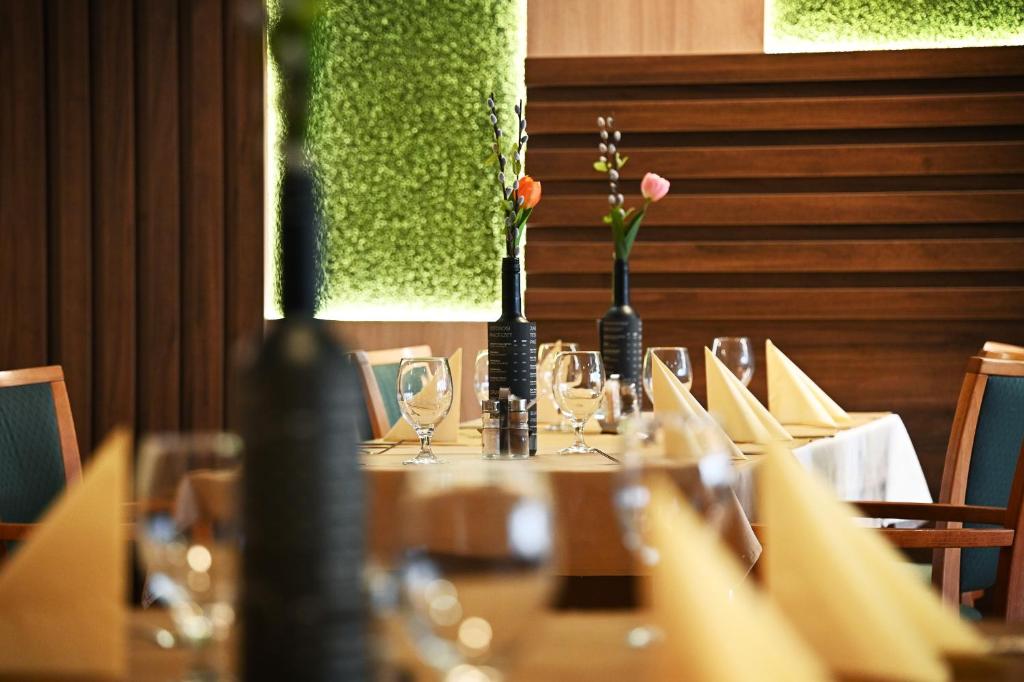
(1002, 351)
(378, 371)
(981, 461)
(38, 445)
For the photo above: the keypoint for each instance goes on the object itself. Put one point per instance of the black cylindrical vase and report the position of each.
(512, 347)
(621, 330)
(302, 605)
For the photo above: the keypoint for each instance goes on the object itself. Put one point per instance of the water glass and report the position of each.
(425, 395)
(578, 385)
(546, 354)
(475, 566)
(480, 376)
(676, 358)
(736, 353)
(188, 531)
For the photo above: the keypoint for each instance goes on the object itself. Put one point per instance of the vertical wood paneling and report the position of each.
(113, 118)
(23, 259)
(159, 216)
(70, 204)
(202, 214)
(243, 130)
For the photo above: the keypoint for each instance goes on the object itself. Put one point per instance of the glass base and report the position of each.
(424, 458)
(577, 449)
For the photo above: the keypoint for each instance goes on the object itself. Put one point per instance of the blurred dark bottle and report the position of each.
(302, 606)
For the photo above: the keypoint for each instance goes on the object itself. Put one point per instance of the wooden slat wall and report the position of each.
(863, 210)
(131, 202)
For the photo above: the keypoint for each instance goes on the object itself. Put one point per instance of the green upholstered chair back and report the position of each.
(387, 381)
(997, 443)
(32, 471)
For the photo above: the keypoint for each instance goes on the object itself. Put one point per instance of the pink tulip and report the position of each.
(654, 187)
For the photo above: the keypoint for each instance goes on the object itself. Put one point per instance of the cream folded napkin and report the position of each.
(845, 589)
(742, 416)
(547, 413)
(717, 628)
(671, 397)
(62, 594)
(794, 399)
(448, 430)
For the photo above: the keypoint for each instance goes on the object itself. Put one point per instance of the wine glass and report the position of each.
(693, 454)
(475, 565)
(578, 384)
(676, 358)
(480, 376)
(736, 353)
(188, 531)
(425, 394)
(546, 354)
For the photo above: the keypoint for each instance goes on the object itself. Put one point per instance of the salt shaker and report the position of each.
(518, 429)
(490, 417)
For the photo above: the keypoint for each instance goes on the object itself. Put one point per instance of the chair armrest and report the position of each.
(935, 538)
(928, 511)
(15, 531)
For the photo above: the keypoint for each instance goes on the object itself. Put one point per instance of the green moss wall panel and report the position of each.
(820, 25)
(399, 135)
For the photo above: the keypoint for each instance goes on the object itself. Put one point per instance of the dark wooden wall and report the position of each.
(131, 202)
(864, 210)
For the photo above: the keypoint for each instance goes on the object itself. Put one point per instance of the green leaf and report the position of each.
(631, 232)
(491, 160)
(601, 166)
(607, 219)
(620, 160)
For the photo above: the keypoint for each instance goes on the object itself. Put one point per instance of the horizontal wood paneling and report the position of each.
(783, 161)
(867, 255)
(865, 211)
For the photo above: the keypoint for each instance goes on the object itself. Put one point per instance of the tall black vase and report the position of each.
(512, 347)
(302, 603)
(621, 330)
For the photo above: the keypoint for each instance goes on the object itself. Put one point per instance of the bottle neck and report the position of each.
(620, 282)
(511, 297)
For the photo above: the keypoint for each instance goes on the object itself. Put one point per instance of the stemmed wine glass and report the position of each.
(481, 383)
(425, 394)
(676, 358)
(475, 564)
(188, 530)
(736, 353)
(546, 354)
(578, 385)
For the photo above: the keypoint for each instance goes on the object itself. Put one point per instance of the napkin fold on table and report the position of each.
(448, 430)
(671, 397)
(717, 627)
(742, 415)
(794, 399)
(845, 589)
(62, 593)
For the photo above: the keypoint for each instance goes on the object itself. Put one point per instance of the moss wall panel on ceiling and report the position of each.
(399, 136)
(814, 25)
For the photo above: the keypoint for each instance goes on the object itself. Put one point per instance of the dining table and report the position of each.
(871, 459)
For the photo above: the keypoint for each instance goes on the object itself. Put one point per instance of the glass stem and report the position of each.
(577, 427)
(425, 435)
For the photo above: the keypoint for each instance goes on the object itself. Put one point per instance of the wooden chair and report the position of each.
(38, 446)
(1002, 351)
(982, 485)
(377, 369)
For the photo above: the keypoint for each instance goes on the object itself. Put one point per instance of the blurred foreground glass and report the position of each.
(620, 402)
(188, 530)
(736, 353)
(476, 563)
(692, 453)
(425, 394)
(481, 383)
(546, 354)
(578, 384)
(676, 358)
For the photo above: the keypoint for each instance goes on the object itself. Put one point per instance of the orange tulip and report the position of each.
(529, 190)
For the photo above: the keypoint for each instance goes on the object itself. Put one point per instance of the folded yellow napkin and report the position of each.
(717, 628)
(547, 413)
(671, 397)
(62, 594)
(794, 399)
(742, 416)
(448, 430)
(845, 589)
